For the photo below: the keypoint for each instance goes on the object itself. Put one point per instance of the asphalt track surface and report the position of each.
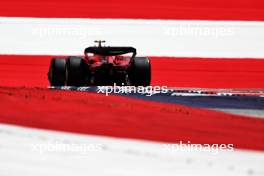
(235, 101)
(202, 98)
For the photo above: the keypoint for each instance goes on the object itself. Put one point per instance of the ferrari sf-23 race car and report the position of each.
(101, 65)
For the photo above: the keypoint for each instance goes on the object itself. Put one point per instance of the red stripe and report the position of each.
(208, 73)
(90, 113)
(177, 72)
(147, 9)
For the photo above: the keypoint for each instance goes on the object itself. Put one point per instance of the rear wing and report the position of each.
(111, 51)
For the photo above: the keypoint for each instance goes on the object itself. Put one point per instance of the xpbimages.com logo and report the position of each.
(190, 147)
(148, 90)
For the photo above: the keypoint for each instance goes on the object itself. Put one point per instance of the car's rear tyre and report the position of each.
(76, 71)
(57, 72)
(140, 72)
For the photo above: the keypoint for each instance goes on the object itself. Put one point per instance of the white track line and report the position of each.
(151, 37)
(117, 157)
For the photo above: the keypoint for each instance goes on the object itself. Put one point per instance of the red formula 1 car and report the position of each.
(101, 66)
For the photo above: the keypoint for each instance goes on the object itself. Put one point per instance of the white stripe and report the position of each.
(117, 157)
(150, 37)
